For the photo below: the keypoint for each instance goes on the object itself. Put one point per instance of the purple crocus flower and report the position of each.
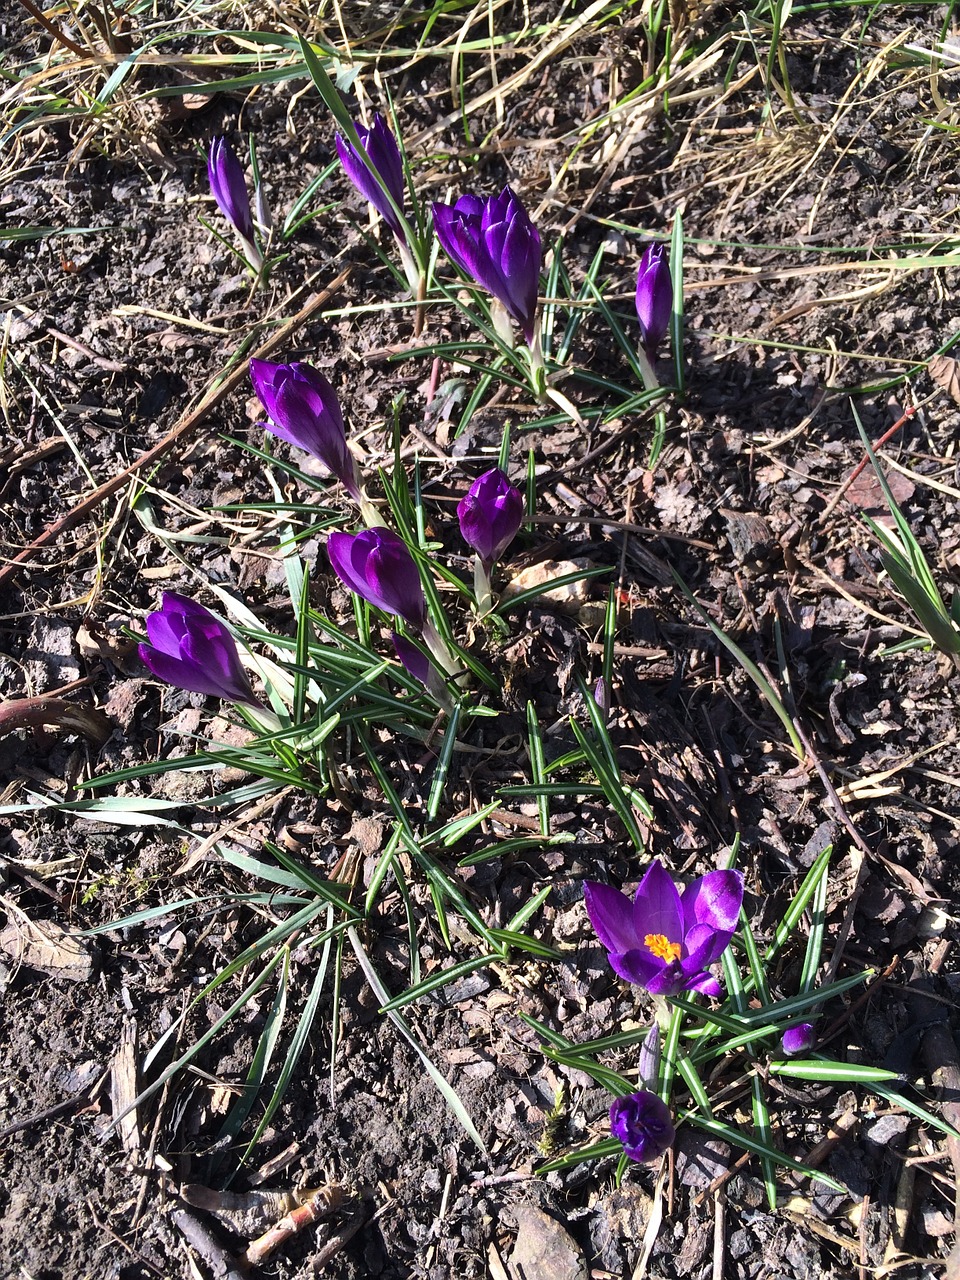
(379, 144)
(303, 409)
(799, 1039)
(490, 515)
(665, 940)
(229, 188)
(494, 241)
(191, 648)
(654, 297)
(378, 567)
(642, 1123)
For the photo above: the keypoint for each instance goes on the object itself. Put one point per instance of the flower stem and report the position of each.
(481, 586)
(441, 654)
(260, 718)
(668, 1063)
(538, 371)
(650, 380)
(369, 514)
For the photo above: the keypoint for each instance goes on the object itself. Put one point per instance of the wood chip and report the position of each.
(123, 1088)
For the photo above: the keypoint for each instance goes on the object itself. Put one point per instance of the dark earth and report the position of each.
(820, 205)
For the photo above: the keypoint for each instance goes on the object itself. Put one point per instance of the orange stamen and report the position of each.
(662, 947)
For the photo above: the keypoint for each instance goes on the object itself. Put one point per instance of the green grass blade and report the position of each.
(536, 756)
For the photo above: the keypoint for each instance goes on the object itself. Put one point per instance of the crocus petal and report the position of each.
(715, 900)
(263, 375)
(520, 267)
(175, 671)
(456, 224)
(416, 663)
(339, 549)
(164, 634)
(656, 908)
(669, 981)
(638, 967)
(705, 984)
(611, 914)
(702, 945)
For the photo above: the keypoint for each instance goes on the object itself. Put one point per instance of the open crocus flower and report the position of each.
(642, 1123)
(379, 568)
(229, 188)
(303, 410)
(654, 297)
(379, 144)
(665, 940)
(494, 241)
(192, 649)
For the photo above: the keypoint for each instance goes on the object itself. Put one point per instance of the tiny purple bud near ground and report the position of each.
(664, 940)
(303, 410)
(493, 241)
(654, 297)
(192, 649)
(377, 566)
(799, 1039)
(490, 515)
(228, 187)
(601, 696)
(642, 1122)
(381, 147)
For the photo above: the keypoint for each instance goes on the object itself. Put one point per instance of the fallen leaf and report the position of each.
(866, 494)
(49, 948)
(945, 371)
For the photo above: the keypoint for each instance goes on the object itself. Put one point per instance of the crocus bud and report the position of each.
(601, 696)
(654, 297)
(303, 409)
(229, 188)
(192, 649)
(377, 566)
(490, 515)
(799, 1039)
(379, 144)
(649, 1065)
(642, 1123)
(494, 241)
